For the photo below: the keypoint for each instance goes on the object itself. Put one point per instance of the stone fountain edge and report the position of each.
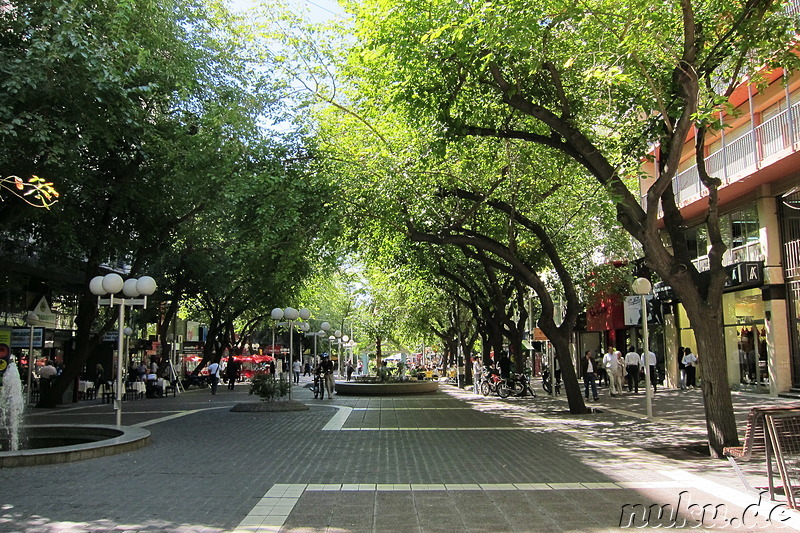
(112, 440)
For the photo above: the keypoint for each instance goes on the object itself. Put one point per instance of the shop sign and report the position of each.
(663, 291)
(21, 337)
(5, 348)
(633, 310)
(747, 274)
(192, 331)
(45, 315)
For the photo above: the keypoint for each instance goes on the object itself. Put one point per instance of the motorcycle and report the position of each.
(520, 385)
(198, 381)
(546, 381)
(493, 383)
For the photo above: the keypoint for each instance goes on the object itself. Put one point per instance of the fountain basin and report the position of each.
(60, 443)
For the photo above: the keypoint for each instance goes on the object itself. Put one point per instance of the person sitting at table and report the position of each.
(133, 372)
(141, 371)
(152, 388)
(46, 374)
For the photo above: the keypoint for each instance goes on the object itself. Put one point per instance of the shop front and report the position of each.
(745, 331)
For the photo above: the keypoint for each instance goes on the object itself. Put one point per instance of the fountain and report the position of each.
(12, 405)
(52, 443)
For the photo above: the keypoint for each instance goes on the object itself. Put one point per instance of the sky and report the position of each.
(319, 10)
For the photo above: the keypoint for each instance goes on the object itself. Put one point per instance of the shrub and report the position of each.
(268, 387)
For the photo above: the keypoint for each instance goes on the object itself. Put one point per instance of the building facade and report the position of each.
(757, 157)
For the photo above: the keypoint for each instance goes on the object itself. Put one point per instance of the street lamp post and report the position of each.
(324, 327)
(346, 340)
(112, 284)
(276, 314)
(338, 335)
(32, 319)
(642, 287)
(290, 314)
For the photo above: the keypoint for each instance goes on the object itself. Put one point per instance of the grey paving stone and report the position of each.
(204, 471)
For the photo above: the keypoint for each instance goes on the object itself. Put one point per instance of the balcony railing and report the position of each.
(744, 155)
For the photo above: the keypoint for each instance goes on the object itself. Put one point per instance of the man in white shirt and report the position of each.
(213, 375)
(633, 365)
(650, 361)
(690, 361)
(296, 366)
(48, 371)
(588, 371)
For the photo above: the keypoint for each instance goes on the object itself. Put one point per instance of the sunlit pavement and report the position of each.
(445, 462)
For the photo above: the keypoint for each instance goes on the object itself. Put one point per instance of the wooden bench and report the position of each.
(756, 442)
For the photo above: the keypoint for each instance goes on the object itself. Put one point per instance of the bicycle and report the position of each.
(318, 386)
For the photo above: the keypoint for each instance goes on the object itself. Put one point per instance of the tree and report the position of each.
(597, 82)
(148, 113)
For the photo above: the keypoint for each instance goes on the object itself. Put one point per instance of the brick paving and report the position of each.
(445, 462)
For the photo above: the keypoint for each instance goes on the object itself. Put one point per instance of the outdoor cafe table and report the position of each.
(86, 390)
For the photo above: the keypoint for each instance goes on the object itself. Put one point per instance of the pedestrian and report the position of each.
(232, 371)
(649, 363)
(588, 366)
(681, 368)
(296, 367)
(612, 366)
(477, 372)
(213, 375)
(633, 365)
(504, 365)
(690, 361)
(600, 368)
(620, 370)
(327, 374)
(99, 376)
(319, 379)
(307, 369)
(272, 367)
(153, 367)
(349, 369)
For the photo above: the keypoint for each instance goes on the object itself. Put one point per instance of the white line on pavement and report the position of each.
(176, 415)
(337, 422)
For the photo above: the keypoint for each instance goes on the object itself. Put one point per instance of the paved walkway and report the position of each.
(445, 462)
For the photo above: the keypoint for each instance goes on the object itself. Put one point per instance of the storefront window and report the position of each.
(697, 240)
(744, 227)
(745, 337)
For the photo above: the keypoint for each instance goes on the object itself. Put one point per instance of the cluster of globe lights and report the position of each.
(113, 284)
(132, 288)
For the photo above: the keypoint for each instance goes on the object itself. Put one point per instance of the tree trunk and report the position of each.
(720, 419)
(568, 378)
